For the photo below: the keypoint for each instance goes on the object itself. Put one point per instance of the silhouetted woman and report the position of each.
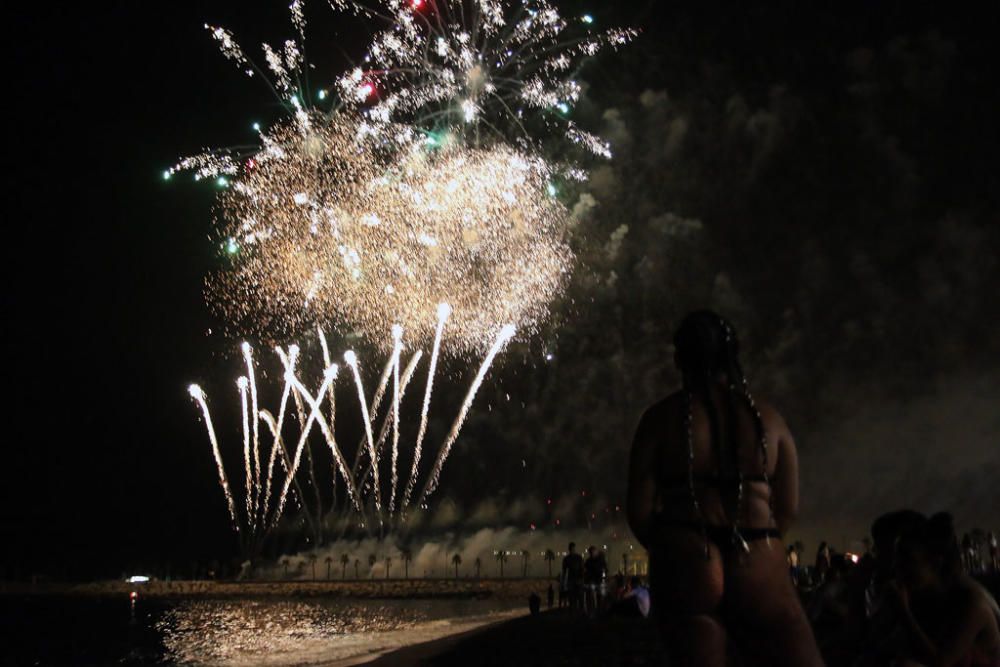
(713, 486)
(948, 618)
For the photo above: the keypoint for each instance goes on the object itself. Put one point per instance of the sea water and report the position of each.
(232, 631)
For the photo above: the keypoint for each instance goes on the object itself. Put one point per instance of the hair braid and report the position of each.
(707, 348)
(731, 368)
(691, 487)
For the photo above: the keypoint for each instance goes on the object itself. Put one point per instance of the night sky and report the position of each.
(826, 180)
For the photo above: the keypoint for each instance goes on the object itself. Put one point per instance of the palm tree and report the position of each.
(456, 560)
(372, 559)
(312, 562)
(285, 561)
(388, 563)
(501, 558)
(357, 566)
(550, 557)
(329, 563)
(479, 565)
(407, 556)
(524, 563)
(345, 560)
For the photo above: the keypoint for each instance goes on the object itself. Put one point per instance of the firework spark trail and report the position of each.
(255, 411)
(332, 399)
(315, 483)
(432, 481)
(327, 362)
(310, 468)
(242, 384)
(198, 394)
(300, 411)
(397, 351)
(444, 311)
(386, 422)
(383, 383)
(316, 408)
(286, 464)
(383, 435)
(352, 361)
(328, 377)
(288, 362)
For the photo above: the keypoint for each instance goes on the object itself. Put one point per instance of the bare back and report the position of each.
(665, 425)
(730, 594)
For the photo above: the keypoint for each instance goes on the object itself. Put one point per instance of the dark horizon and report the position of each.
(824, 179)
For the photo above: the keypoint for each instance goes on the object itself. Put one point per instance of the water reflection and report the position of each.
(275, 632)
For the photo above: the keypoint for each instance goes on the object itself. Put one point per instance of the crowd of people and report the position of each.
(584, 586)
(914, 590)
(915, 596)
(979, 557)
(713, 490)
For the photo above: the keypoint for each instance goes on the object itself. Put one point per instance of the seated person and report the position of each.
(947, 618)
(635, 602)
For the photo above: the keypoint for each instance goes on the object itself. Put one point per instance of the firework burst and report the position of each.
(482, 70)
(420, 203)
(325, 231)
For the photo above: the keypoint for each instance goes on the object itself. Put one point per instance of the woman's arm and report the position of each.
(642, 481)
(785, 485)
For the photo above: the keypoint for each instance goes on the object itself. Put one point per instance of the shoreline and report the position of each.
(554, 637)
(386, 589)
(411, 654)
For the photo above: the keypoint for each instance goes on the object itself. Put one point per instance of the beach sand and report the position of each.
(555, 637)
(393, 647)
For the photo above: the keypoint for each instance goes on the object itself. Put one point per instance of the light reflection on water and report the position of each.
(278, 632)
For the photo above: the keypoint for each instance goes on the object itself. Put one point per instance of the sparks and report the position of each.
(486, 65)
(329, 232)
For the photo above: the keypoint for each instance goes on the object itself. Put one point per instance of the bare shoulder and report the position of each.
(972, 597)
(662, 409)
(657, 414)
(773, 421)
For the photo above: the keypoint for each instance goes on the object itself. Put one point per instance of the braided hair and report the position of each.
(707, 350)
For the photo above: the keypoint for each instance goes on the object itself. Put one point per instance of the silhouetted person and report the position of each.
(713, 486)
(595, 573)
(534, 604)
(794, 571)
(947, 617)
(873, 623)
(551, 596)
(572, 576)
(991, 540)
(822, 565)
